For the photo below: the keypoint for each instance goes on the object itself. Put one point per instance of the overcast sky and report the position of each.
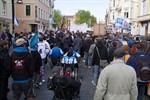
(70, 7)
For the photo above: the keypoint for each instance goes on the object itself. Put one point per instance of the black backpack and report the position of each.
(143, 69)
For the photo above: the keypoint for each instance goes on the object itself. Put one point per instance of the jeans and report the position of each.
(43, 68)
(97, 70)
(19, 88)
(141, 90)
(87, 59)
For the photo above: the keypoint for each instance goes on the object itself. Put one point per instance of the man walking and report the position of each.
(117, 81)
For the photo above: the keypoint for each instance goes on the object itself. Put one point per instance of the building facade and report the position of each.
(144, 16)
(127, 9)
(5, 15)
(32, 15)
(51, 16)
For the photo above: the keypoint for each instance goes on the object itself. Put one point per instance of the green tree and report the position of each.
(83, 16)
(58, 18)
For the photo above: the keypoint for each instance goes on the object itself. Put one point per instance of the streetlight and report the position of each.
(13, 12)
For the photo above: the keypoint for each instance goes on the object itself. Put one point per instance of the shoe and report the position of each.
(43, 80)
(93, 83)
(37, 85)
(40, 83)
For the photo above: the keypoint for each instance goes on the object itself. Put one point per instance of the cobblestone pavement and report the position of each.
(86, 92)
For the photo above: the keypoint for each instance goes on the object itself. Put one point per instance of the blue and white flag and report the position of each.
(16, 21)
(34, 42)
(122, 23)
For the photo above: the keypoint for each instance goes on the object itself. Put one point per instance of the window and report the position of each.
(113, 15)
(126, 0)
(143, 7)
(126, 14)
(39, 13)
(44, 15)
(113, 3)
(28, 10)
(4, 7)
(35, 11)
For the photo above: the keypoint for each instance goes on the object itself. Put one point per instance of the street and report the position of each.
(86, 92)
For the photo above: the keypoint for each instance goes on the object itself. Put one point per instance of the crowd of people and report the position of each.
(116, 59)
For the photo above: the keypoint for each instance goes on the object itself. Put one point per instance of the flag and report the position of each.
(34, 42)
(16, 21)
(122, 23)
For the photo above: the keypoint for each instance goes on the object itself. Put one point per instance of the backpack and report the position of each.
(143, 69)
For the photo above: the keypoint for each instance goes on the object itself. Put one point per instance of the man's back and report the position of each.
(117, 82)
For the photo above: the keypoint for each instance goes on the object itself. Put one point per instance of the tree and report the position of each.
(83, 16)
(58, 18)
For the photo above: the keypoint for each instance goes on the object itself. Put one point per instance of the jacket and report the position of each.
(103, 54)
(133, 62)
(86, 45)
(77, 43)
(22, 64)
(4, 63)
(117, 81)
(37, 61)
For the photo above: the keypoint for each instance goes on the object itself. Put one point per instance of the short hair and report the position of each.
(140, 46)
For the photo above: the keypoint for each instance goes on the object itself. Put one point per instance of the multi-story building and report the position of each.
(32, 15)
(127, 9)
(5, 15)
(69, 19)
(144, 16)
(51, 16)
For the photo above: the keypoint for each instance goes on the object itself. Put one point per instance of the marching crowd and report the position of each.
(120, 62)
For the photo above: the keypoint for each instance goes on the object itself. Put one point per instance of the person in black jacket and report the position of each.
(99, 50)
(59, 80)
(22, 70)
(4, 69)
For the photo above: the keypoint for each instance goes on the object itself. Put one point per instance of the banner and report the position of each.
(122, 23)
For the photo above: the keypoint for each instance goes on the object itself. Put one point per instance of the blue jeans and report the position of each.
(87, 59)
(141, 90)
(43, 68)
(97, 70)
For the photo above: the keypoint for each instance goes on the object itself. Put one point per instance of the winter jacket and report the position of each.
(117, 81)
(37, 61)
(86, 45)
(103, 54)
(4, 63)
(22, 64)
(56, 52)
(133, 62)
(77, 43)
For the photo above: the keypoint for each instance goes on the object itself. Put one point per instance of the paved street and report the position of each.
(87, 89)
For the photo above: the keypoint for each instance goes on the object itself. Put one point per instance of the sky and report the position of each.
(70, 7)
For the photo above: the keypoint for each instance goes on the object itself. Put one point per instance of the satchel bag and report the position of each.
(102, 63)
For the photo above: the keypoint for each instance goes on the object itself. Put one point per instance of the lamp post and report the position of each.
(13, 12)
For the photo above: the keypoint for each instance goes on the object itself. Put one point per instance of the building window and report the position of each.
(143, 7)
(113, 15)
(126, 14)
(35, 11)
(113, 3)
(39, 13)
(126, 0)
(4, 7)
(28, 10)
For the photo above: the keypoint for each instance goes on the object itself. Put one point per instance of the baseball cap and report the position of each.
(119, 52)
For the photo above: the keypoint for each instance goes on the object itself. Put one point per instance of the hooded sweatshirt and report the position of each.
(22, 65)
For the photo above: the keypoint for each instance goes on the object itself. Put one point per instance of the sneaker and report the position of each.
(37, 85)
(93, 83)
(43, 80)
(40, 83)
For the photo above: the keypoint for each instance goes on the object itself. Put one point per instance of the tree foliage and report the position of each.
(83, 16)
(58, 18)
